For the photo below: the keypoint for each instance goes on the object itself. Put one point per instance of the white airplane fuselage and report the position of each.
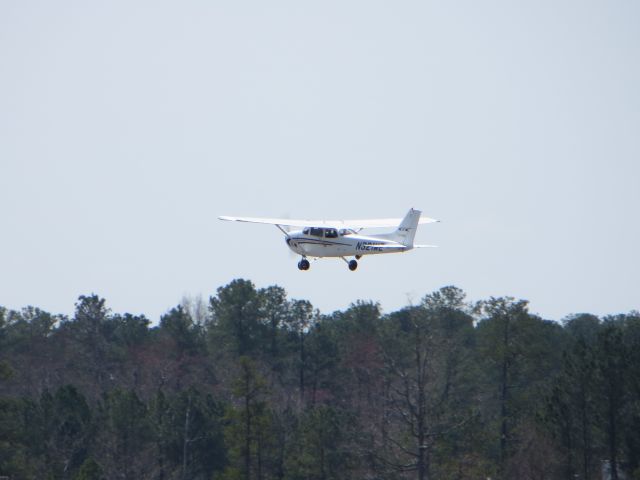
(341, 245)
(342, 238)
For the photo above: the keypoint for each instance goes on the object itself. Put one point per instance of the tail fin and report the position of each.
(406, 231)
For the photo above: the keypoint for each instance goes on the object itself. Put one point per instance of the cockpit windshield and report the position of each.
(322, 232)
(325, 232)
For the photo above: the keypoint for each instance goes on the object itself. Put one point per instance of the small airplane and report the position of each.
(341, 238)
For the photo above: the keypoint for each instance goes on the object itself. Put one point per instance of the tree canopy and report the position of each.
(254, 385)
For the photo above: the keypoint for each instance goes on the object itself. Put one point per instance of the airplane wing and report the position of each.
(285, 222)
(352, 224)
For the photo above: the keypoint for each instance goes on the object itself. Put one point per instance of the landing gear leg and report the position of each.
(303, 264)
(352, 263)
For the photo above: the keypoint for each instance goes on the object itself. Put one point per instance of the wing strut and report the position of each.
(286, 234)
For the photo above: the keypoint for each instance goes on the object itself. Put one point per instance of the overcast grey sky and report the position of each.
(127, 127)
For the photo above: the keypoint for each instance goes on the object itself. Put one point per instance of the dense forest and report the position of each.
(254, 385)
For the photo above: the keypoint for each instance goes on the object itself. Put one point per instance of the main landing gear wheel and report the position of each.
(304, 264)
(353, 265)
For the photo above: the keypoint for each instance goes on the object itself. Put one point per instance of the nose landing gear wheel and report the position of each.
(353, 265)
(303, 264)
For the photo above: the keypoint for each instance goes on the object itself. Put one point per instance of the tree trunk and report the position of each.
(503, 415)
(302, 359)
(586, 442)
(247, 445)
(504, 393)
(259, 458)
(422, 410)
(185, 439)
(613, 440)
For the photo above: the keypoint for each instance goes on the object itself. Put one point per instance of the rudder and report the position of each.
(406, 231)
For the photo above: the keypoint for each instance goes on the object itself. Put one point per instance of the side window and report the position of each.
(331, 233)
(316, 232)
(306, 231)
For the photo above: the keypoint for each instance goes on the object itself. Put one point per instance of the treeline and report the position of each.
(254, 385)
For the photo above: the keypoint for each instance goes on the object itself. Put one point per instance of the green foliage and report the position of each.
(178, 326)
(14, 450)
(518, 353)
(236, 313)
(320, 448)
(130, 330)
(265, 387)
(6, 372)
(248, 433)
(428, 374)
(194, 438)
(89, 470)
(65, 420)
